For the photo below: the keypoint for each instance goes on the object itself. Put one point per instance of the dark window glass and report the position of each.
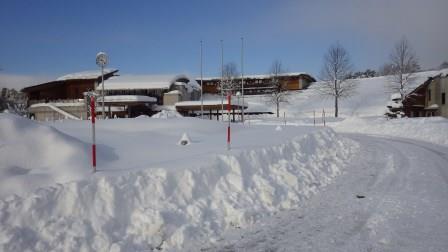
(443, 98)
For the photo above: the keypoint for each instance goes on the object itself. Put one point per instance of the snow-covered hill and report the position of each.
(372, 95)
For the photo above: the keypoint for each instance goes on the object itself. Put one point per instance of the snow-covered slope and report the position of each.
(372, 95)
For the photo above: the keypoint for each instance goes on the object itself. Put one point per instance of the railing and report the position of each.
(31, 102)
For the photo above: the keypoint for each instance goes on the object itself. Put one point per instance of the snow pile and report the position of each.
(429, 129)
(168, 208)
(167, 114)
(33, 155)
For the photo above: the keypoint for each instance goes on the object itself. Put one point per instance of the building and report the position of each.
(260, 84)
(167, 89)
(67, 87)
(125, 96)
(428, 99)
(63, 97)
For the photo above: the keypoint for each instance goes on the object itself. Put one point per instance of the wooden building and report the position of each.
(260, 84)
(71, 86)
(428, 99)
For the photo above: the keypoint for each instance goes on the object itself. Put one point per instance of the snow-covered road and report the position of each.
(393, 197)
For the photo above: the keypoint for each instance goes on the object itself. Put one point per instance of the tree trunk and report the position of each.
(278, 109)
(336, 92)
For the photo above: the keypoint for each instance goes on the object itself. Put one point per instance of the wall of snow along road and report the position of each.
(171, 209)
(429, 129)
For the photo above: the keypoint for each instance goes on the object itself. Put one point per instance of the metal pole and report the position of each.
(202, 100)
(102, 89)
(222, 80)
(92, 116)
(242, 77)
(228, 126)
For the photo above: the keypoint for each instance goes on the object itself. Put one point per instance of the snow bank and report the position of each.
(33, 155)
(166, 208)
(166, 114)
(430, 129)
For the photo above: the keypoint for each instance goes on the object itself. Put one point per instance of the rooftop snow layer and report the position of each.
(128, 98)
(125, 82)
(93, 74)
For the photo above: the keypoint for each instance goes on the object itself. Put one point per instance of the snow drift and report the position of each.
(166, 208)
(33, 154)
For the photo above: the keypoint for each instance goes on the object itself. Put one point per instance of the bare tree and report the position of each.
(335, 72)
(279, 89)
(405, 64)
(230, 75)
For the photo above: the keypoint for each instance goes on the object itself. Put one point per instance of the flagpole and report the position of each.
(242, 77)
(202, 100)
(222, 80)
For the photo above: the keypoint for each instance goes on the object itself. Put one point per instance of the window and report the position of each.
(429, 94)
(443, 98)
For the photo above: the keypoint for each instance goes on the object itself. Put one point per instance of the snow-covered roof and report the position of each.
(128, 98)
(85, 75)
(126, 82)
(259, 76)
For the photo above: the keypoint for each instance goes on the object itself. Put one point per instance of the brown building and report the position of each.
(71, 86)
(260, 84)
(428, 99)
(63, 97)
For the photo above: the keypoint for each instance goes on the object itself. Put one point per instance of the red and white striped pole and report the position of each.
(228, 126)
(92, 116)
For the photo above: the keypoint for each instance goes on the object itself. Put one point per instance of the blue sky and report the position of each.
(48, 38)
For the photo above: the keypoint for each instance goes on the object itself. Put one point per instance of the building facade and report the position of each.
(259, 84)
(428, 99)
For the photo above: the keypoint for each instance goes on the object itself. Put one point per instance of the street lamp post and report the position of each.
(101, 61)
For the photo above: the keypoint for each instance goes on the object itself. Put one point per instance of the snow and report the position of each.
(128, 98)
(371, 98)
(56, 109)
(392, 104)
(395, 96)
(430, 129)
(93, 74)
(283, 186)
(168, 194)
(167, 114)
(60, 104)
(392, 197)
(126, 82)
(433, 106)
